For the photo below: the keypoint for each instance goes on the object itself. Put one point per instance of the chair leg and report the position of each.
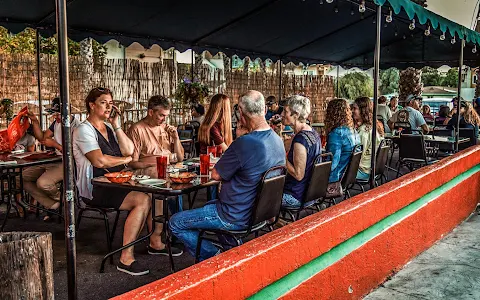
(362, 188)
(107, 230)
(112, 235)
(199, 247)
(79, 218)
(9, 207)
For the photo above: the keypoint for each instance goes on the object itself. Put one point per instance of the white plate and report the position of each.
(140, 177)
(152, 181)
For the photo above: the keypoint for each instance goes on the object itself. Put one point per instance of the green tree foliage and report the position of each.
(389, 81)
(451, 80)
(431, 77)
(354, 85)
(24, 42)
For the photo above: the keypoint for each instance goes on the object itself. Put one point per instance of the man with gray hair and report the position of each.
(240, 170)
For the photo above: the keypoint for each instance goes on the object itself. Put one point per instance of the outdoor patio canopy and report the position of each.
(307, 31)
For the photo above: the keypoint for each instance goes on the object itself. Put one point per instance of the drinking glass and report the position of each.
(212, 150)
(204, 164)
(219, 151)
(162, 163)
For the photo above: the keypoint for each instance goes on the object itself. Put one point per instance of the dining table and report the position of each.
(160, 192)
(11, 167)
(433, 139)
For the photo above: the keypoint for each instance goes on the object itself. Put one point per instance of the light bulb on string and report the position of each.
(352, 12)
(453, 41)
(321, 2)
(335, 9)
(396, 33)
(474, 50)
(361, 7)
(412, 25)
(389, 17)
(427, 31)
(442, 37)
(329, 1)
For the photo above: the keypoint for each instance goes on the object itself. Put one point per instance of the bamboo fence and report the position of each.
(134, 82)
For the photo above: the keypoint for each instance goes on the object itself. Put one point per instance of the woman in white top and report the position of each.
(101, 146)
(363, 116)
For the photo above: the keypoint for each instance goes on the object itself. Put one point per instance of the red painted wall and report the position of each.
(243, 271)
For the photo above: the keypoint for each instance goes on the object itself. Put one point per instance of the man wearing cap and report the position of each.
(41, 182)
(415, 118)
(273, 107)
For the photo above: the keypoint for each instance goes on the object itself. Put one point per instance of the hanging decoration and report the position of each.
(442, 37)
(427, 31)
(361, 7)
(453, 41)
(191, 92)
(412, 25)
(389, 18)
(329, 1)
(474, 50)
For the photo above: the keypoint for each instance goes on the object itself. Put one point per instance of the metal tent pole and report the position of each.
(39, 87)
(193, 64)
(459, 91)
(68, 184)
(338, 82)
(376, 75)
(280, 70)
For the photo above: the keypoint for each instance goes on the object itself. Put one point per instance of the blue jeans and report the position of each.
(185, 226)
(362, 175)
(290, 201)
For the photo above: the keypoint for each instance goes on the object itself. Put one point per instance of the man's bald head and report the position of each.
(253, 104)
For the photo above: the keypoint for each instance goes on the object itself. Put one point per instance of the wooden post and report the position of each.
(26, 260)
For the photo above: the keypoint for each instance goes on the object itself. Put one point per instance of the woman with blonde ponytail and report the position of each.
(216, 128)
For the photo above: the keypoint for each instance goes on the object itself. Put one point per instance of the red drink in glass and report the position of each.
(162, 163)
(219, 151)
(212, 150)
(204, 164)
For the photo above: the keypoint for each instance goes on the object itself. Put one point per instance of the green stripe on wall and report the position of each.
(310, 269)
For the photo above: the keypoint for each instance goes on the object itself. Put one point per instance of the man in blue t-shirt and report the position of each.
(240, 169)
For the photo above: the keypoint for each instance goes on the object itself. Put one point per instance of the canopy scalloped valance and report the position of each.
(437, 22)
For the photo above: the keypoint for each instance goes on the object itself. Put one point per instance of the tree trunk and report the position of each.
(26, 260)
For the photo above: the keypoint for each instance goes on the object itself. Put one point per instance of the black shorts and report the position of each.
(108, 197)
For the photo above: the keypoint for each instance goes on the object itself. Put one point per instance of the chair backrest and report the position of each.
(268, 200)
(412, 146)
(317, 187)
(186, 131)
(382, 157)
(467, 133)
(350, 175)
(442, 131)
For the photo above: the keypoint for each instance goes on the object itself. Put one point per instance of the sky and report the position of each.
(463, 12)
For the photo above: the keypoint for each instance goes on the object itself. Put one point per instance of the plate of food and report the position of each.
(119, 177)
(140, 177)
(183, 177)
(152, 181)
(180, 166)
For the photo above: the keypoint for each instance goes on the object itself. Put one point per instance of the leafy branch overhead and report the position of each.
(24, 43)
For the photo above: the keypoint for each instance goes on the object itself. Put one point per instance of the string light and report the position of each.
(361, 7)
(442, 37)
(352, 12)
(321, 1)
(453, 41)
(389, 18)
(412, 25)
(335, 9)
(427, 31)
(329, 1)
(474, 50)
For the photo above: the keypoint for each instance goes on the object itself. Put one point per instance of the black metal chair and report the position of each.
(405, 126)
(380, 165)
(467, 133)
(8, 191)
(412, 153)
(350, 176)
(316, 190)
(266, 207)
(444, 149)
(83, 207)
(187, 131)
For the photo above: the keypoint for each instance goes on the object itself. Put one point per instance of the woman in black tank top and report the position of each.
(114, 154)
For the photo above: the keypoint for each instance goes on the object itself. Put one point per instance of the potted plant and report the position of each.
(191, 92)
